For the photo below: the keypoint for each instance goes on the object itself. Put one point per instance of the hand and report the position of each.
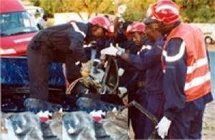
(109, 51)
(163, 127)
(120, 50)
(113, 51)
(122, 91)
(121, 9)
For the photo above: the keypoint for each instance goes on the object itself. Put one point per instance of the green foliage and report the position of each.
(192, 10)
(51, 6)
(35, 2)
(136, 9)
(197, 10)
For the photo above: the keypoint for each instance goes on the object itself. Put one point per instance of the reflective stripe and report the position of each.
(197, 64)
(197, 81)
(144, 47)
(147, 47)
(167, 7)
(177, 56)
(77, 29)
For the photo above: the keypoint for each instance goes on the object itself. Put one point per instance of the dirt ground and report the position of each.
(209, 116)
(208, 132)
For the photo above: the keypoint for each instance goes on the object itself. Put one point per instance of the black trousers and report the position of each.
(142, 125)
(40, 55)
(188, 122)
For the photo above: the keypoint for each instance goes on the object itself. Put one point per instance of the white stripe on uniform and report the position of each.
(167, 7)
(177, 56)
(77, 29)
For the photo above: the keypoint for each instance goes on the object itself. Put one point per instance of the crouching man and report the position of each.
(62, 43)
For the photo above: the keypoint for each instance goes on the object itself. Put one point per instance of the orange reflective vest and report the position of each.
(198, 78)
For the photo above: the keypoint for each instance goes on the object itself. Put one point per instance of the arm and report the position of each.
(145, 59)
(76, 37)
(174, 77)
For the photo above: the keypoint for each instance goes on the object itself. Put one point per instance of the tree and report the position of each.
(197, 10)
(193, 10)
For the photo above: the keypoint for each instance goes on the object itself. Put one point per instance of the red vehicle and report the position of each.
(17, 28)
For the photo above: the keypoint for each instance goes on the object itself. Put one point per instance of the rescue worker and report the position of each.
(150, 96)
(62, 43)
(186, 82)
(133, 78)
(130, 76)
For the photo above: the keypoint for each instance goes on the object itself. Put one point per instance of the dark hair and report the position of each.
(126, 24)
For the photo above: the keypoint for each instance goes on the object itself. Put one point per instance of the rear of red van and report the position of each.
(17, 28)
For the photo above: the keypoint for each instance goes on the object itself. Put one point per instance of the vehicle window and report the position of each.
(16, 23)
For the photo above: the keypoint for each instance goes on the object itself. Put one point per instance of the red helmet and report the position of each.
(165, 11)
(136, 27)
(101, 21)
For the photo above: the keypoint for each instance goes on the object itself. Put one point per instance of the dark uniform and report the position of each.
(63, 43)
(186, 116)
(131, 75)
(97, 46)
(130, 78)
(150, 95)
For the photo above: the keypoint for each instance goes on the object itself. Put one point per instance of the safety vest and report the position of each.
(198, 78)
